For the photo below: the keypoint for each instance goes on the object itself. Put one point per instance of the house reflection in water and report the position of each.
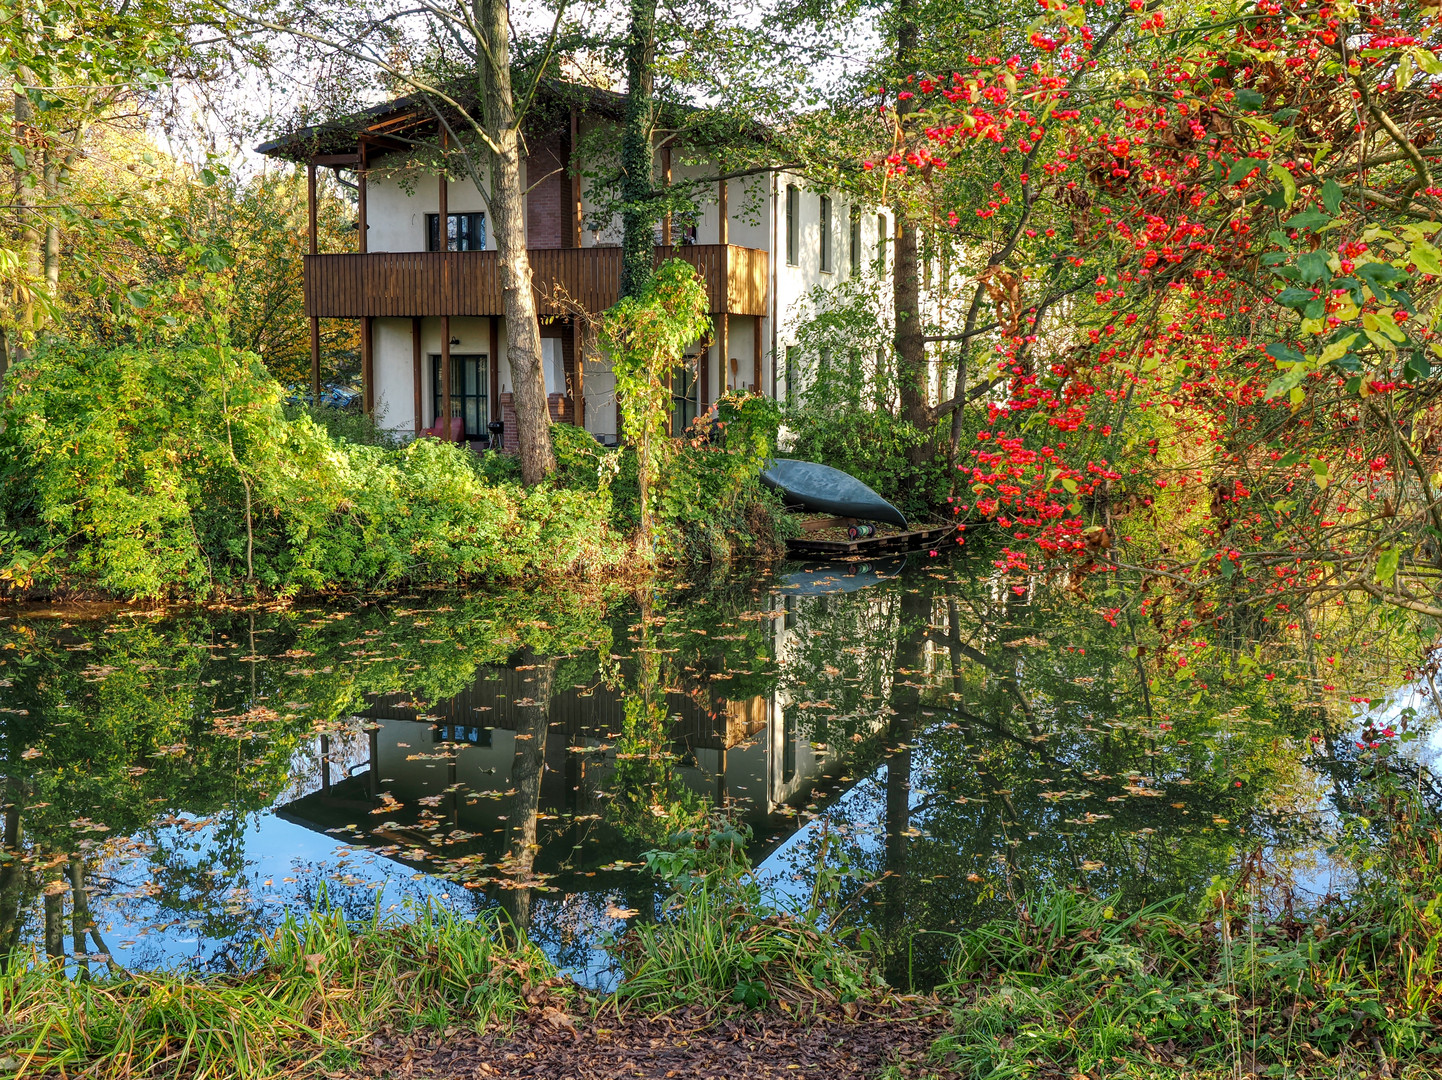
(505, 785)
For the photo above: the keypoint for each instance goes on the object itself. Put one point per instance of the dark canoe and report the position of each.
(825, 490)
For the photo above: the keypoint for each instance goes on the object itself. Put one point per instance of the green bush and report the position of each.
(143, 472)
(876, 447)
(348, 425)
(711, 495)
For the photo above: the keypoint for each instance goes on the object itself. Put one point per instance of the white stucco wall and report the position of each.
(397, 201)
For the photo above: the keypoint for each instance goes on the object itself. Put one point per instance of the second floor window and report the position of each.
(826, 233)
(464, 232)
(854, 251)
(793, 223)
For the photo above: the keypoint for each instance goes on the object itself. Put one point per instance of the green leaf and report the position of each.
(1308, 219)
(1240, 168)
(1332, 196)
(1248, 99)
(1387, 565)
(1284, 353)
(18, 156)
(1289, 182)
(1314, 267)
(1417, 368)
(1379, 274)
(1425, 256)
(1295, 298)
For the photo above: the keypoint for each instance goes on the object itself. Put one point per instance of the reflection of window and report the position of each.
(855, 249)
(826, 233)
(793, 223)
(468, 392)
(464, 232)
(788, 748)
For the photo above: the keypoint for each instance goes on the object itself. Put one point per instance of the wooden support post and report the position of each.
(578, 392)
(368, 374)
(666, 183)
(703, 376)
(445, 416)
(313, 243)
(315, 360)
(576, 208)
(493, 405)
(756, 354)
(416, 370)
(362, 227)
(723, 340)
(443, 204)
(310, 204)
(723, 208)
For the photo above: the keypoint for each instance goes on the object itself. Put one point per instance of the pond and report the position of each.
(954, 740)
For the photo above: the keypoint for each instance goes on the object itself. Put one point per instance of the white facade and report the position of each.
(770, 212)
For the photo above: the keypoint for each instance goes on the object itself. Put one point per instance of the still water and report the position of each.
(173, 784)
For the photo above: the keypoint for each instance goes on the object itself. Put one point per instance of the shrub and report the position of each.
(144, 472)
(711, 494)
(348, 424)
(877, 448)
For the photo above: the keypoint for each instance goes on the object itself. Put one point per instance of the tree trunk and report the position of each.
(905, 703)
(523, 330)
(638, 214)
(527, 770)
(911, 373)
(27, 213)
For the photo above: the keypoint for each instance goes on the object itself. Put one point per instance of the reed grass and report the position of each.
(320, 988)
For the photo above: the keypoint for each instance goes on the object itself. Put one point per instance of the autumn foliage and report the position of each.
(1210, 264)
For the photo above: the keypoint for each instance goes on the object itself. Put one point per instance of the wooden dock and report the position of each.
(810, 547)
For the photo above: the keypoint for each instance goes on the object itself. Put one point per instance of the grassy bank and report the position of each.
(1247, 983)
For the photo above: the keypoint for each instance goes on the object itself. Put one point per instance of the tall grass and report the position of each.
(725, 940)
(320, 988)
(1249, 984)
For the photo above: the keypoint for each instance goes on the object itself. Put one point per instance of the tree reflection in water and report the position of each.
(172, 786)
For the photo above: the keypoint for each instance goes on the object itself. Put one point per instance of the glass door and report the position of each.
(469, 391)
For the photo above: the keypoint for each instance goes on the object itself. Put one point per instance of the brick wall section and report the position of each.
(548, 212)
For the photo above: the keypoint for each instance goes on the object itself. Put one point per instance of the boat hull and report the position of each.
(825, 490)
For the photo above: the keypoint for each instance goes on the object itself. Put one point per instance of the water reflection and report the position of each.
(958, 740)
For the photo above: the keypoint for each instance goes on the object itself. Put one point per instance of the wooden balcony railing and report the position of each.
(421, 283)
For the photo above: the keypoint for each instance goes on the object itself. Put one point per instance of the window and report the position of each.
(464, 232)
(468, 391)
(684, 395)
(854, 253)
(793, 223)
(881, 240)
(826, 234)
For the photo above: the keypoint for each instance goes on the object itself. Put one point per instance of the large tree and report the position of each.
(455, 60)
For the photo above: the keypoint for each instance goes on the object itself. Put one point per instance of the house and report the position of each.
(428, 300)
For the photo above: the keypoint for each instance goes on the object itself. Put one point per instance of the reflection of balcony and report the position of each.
(421, 283)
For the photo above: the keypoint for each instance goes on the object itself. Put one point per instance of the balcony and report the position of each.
(411, 284)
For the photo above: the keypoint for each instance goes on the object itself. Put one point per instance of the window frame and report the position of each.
(854, 253)
(433, 230)
(793, 225)
(482, 395)
(825, 228)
